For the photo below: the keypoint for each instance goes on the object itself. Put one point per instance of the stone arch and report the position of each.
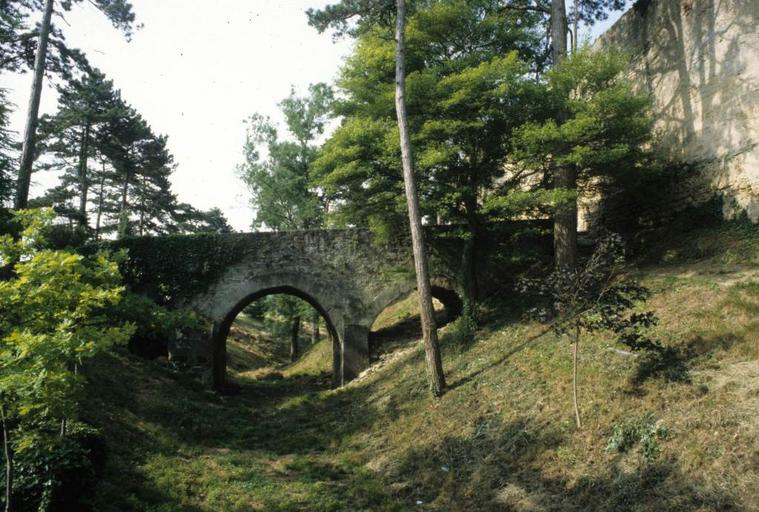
(446, 294)
(221, 331)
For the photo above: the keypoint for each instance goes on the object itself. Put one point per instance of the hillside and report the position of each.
(501, 438)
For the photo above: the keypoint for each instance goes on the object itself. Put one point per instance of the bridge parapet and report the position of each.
(348, 275)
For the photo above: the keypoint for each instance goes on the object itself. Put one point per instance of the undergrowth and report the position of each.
(501, 438)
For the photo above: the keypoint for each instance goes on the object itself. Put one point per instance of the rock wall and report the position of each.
(699, 60)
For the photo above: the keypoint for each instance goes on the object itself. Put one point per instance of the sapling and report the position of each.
(594, 297)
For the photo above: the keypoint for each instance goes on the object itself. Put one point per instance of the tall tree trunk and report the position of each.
(558, 31)
(565, 178)
(294, 344)
(123, 213)
(574, 377)
(100, 204)
(429, 329)
(576, 26)
(8, 462)
(142, 207)
(468, 256)
(32, 117)
(124, 192)
(83, 181)
(315, 327)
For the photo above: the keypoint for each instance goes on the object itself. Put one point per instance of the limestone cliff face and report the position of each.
(699, 59)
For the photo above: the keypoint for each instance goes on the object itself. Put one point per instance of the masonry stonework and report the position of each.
(699, 61)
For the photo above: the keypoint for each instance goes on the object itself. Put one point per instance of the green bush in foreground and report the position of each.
(53, 317)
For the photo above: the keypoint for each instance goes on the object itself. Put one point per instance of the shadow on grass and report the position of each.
(501, 360)
(403, 332)
(665, 363)
(494, 469)
(672, 364)
(149, 414)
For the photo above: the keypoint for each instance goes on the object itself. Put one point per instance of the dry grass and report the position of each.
(501, 439)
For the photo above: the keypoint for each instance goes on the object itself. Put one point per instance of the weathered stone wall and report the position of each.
(347, 275)
(699, 60)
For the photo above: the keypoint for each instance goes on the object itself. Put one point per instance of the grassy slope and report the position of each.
(502, 438)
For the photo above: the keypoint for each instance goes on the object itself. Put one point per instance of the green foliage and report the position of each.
(645, 432)
(464, 328)
(595, 297)
(280, 310)
(276, 171)
(171, 267)
(467, 89)
(154, 326)
(54, 472)
(606, 125)
(53, 318)
(6, 155)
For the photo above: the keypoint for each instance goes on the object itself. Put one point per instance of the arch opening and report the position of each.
(223, 335)
(398, 323)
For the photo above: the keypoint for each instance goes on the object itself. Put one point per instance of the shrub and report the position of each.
(155, 326)
(644, 432)
(53, 317)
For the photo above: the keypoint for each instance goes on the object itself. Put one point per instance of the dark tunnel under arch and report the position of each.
(219, 351)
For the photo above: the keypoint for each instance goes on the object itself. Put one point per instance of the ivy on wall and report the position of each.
(171, 268)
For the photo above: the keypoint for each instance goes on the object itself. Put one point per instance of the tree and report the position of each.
(187, 219)
(592, 298)
(119, 12)
(85, 106)
(467, 90)
(426, 309)
(604, 132)
(276, 172)
(565, 177)
(51, 322)
(138, 199)
(372, 13)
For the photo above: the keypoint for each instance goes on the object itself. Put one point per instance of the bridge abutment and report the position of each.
(355, 351)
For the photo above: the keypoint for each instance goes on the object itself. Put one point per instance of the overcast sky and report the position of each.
(196, 71)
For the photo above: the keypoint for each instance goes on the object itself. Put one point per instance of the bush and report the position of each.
(645, 432)
(54, 317)
(55, 472)
(155, 326)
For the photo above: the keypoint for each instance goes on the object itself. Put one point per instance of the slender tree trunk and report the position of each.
(294, 344)
(565, 178)
(123, 213)
(8, 462)
(429, 329)
(124, 192)
(100, 204)
(574, 377)
(575, 26)
(83, 181)
(469, 258)
(32, 117)
(142, 207)
(315, 335)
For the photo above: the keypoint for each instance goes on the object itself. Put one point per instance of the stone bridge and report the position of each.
(348, 276)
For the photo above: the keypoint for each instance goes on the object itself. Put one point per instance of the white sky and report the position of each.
(195, 71)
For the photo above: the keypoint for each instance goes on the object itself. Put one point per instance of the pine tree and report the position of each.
(85, 106)
(119, 12)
